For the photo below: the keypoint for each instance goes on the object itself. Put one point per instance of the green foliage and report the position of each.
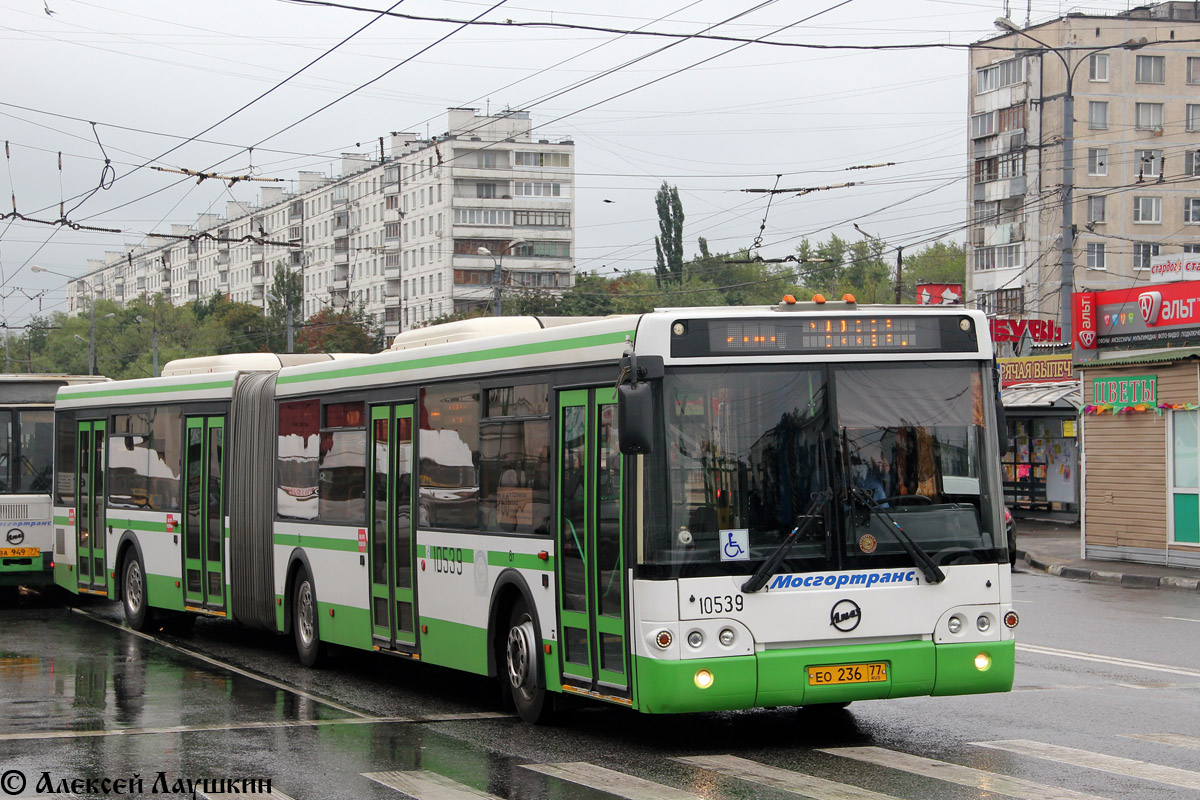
(668, 245)
(345, 330)
(287, 287)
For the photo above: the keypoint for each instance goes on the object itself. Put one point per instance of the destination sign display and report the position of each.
(813, 335)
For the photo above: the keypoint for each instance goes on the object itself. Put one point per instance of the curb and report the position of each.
(1107, 576)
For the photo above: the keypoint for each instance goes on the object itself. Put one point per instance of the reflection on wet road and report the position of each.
(82, 698)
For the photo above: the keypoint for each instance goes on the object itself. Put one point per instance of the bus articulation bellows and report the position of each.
(687, 510)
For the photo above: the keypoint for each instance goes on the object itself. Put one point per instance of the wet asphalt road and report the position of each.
(1107, 678)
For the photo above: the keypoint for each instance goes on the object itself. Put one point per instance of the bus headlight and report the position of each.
(695, 639)
(984, 623)
(726, 636)
(703, 679)
(954, 623)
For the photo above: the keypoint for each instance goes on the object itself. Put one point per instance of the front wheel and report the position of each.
(521, 659)
(304, 623)
(133, 593)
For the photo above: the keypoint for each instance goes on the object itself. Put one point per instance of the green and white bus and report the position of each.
(687, 510)
(26, 464)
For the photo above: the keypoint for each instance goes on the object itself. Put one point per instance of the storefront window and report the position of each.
(1185, 471)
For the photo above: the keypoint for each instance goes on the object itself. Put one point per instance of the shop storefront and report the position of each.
(1041, 469)
(1140, 422)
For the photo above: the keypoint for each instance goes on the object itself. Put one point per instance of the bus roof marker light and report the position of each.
(789, 300)
(849, 298)
(818, 298)
(703, 679)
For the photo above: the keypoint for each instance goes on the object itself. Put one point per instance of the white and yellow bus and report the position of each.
(687, 510)
(26, 463)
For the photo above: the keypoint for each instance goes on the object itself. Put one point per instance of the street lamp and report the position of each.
(1067, 265)
(92, 315)
(498, 261)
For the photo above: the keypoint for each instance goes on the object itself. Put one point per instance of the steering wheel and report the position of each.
(907, 500)
(954, 555)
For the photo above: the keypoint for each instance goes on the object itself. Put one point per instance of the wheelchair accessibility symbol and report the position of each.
(735, 544)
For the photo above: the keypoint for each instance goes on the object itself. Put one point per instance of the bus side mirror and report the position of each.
(635, 418)
(1001, 416)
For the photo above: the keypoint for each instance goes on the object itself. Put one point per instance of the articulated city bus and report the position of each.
(687, 510)
(26, 464)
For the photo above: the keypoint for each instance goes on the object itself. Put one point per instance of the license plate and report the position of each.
(871, 672)
(19, 552)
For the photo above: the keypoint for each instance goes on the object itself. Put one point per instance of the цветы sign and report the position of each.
(1126, 391)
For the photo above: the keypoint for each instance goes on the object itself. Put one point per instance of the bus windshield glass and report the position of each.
(26, 450)
(746, 449)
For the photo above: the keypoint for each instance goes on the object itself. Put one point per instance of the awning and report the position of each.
(1065, 395)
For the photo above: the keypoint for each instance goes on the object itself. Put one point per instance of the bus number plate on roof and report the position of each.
(870, 672)
(19, 552)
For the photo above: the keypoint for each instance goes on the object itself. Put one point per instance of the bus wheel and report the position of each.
(521, 658)
(133, 592)
(304, 623)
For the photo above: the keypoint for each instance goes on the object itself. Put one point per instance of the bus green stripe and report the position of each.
(177, 387)
(137, 524)
(316, 542)
(505, 558)
(536, 348)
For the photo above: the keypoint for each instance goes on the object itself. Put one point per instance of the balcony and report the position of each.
(257, 252)
(339, 286)
(391, 288)
(341, 256)
(257, 276)
(223, 258)
(296, 233)
(391, 273)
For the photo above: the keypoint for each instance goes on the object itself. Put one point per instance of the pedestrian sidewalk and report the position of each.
(1054, 548)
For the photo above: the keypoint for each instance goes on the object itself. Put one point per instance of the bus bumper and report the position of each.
(30, 571)
(780, 677)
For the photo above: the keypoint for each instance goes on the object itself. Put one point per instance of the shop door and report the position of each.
(391, 528)
(590, 544)
(90, 507)
(204, 515)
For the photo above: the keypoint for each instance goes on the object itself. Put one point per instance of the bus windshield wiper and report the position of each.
(933, 573)
(767, 568)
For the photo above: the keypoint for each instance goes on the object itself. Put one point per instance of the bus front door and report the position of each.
(594, 652)
(204, 515)
(390, 538)
(90, 507)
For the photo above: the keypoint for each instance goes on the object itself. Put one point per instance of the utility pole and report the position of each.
(899, 269)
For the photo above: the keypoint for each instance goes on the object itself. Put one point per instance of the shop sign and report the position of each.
(1126, 391)
(1035, 369)
(1011, 330)
(939, 294)
(1169, 269)
(1167, 314)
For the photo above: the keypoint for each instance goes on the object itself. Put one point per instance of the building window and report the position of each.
(1011, 119)
(1150, 69)
(1142, 253)
(1097, 161)
(985, 170)
(1097, 115)
(1184, 438)
(536, 189)
(1147, 209)
(1098, 67)
(1149, 162)
(1095, 208)
(1006, 73)
(542, 159)
(1003, 257)
(1149, 116)
(1191, 162)
(542, 219)
(1193, 70)
(983, 125)
(1191, 249)
(1011, 165)
(1191, 210)
(1192, 117)
(986, 212)
(1095, 255)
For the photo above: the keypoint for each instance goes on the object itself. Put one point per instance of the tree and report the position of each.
(668, 245)
(343, 330)
(287, 287)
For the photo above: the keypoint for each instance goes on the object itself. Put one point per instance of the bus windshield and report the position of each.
(747, 448)
(26, 450)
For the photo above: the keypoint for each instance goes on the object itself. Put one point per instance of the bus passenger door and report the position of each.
(204, 515)
(591, 577)
(390, 537)
(90, 507)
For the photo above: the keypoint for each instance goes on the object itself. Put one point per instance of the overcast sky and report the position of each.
(151, 75)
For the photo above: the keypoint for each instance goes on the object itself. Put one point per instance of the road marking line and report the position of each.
(1175, 739)
(782, 779)
(1117, 765)
(272, 795)
(954, 773)
(244, 726)
(425, 785)
(1183, 619)
(610, 781)
(1101, 659)
(230, 667)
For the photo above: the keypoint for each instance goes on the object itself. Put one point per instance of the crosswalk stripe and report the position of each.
(1115, 764)
(1103, 659)
(610, 781)
(1173, 739)
(271, 795)
(425, 785)
(955, 773)
(783, 779)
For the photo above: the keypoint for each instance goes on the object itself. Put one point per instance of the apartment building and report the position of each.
(411, 235)
(1134, 78)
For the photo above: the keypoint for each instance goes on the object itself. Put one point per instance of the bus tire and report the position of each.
(305, 623)
(134, 598)
(522, 667)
